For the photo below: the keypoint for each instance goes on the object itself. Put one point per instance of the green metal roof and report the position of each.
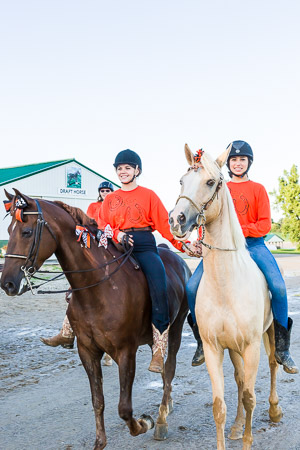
(11, 174)
(270, 235)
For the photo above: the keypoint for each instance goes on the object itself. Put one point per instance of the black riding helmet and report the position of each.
(128, 157)
(106, 185)
(240, 148)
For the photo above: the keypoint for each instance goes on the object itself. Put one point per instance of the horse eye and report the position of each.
(27, 232)
(210, 182)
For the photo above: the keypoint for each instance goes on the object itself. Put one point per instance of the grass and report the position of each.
(285, 251)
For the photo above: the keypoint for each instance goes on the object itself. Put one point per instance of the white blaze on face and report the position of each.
(23, 282)
(14, 225)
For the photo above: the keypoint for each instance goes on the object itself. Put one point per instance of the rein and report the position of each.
(201, 219)
(31, 258)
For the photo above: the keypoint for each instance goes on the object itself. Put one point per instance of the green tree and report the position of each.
(288, 199)
(276, 227)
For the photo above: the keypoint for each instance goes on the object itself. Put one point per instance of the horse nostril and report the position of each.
(181, 219)
(171, 221)
(9, 287)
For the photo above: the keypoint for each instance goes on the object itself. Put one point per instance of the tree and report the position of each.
(288, 199)
(276, 227)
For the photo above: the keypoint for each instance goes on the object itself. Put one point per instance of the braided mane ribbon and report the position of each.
(84, 234)
(106, 234)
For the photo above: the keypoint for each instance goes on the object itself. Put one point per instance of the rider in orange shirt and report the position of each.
(252, 206)
(134, 212)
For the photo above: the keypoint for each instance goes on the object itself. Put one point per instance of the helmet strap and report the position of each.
(231, 174)
(133, 178)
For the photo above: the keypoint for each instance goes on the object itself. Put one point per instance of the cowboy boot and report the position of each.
(159, 347)
(198, 357)
(65, 337)
(282, 346)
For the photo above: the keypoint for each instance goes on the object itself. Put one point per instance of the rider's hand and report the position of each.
(193, 249)
(120, 236)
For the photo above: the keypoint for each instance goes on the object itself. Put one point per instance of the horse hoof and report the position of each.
(161, 431)
(276, 416)
(147, 420)
(235, 434)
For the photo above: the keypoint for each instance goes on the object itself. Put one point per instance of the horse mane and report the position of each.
(213, 169)
(79, 217)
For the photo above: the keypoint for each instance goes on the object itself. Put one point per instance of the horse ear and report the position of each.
(8, 195)
(27, 199)
(189, 155)
(221, 160)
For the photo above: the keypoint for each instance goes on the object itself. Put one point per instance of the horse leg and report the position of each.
(126, 363)
(239, 422)
(214, 363)
(275, 412)
(92, 364)
(166, 406)
(251, 360)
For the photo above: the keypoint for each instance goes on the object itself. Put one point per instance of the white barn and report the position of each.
(67, 180)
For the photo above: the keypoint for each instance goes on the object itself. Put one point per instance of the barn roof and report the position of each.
(270, 236)
(11, 174)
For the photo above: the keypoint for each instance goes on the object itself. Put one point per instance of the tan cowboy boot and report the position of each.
(159, 347)
(65, 337)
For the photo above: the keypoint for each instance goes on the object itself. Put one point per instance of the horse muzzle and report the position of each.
(180, 225)
(14, 287)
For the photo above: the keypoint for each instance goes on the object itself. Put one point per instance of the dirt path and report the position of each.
(45, 397)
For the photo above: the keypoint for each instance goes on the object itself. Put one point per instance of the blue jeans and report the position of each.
(267, 264)
(146, 253)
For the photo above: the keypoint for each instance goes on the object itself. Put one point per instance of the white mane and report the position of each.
(212, 168)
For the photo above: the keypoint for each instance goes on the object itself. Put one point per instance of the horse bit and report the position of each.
(34, 249)
(201, 219)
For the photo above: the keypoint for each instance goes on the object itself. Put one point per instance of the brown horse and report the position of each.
(113, 316)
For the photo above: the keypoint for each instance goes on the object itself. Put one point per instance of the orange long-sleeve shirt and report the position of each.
(252, 206)
(95, 212)
(138, 208)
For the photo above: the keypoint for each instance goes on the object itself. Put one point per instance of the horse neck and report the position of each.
(224, 230)
(72, 256)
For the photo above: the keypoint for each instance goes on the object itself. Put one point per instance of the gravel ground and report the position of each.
(45, 397)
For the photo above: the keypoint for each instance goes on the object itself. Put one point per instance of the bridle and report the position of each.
(29, 268)
(201, 219)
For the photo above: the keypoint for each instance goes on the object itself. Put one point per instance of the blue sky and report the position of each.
(88, 79)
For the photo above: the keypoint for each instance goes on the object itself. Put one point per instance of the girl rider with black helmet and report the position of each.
(133, 213)
(252, 206)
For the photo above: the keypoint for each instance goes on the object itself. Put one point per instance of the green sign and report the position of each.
(73, 177)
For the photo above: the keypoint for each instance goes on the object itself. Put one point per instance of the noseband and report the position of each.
(201, 219)
(28, 267)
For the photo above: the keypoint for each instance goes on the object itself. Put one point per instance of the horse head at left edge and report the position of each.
(25, 232)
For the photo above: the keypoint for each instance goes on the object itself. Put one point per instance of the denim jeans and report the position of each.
(267, 264)
(146, 253)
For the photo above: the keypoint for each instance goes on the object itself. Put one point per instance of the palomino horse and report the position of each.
(233, 305)
(110, 308)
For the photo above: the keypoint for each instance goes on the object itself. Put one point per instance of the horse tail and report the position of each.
(266, 341)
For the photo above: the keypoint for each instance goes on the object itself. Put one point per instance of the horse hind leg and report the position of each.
(239, 422)
(275, 412)
(93, 369)
(126, 363)
(166, 406)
